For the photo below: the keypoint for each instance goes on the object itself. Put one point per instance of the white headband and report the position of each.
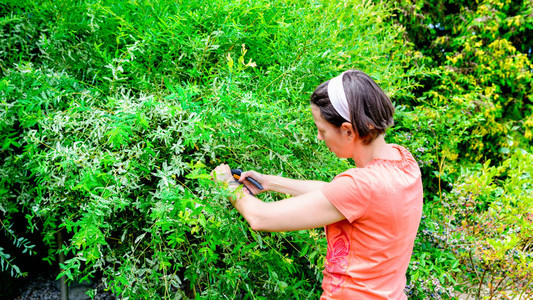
(338, 97)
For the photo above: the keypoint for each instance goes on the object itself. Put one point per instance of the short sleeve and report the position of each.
(350, 192)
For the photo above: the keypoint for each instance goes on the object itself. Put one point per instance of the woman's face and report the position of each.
(331, 135)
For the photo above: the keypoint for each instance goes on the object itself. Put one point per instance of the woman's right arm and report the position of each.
(293, 187)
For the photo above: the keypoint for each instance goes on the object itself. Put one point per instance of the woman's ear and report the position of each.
(348, 130)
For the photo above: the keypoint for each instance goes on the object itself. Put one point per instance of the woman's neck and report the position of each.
(363, 155)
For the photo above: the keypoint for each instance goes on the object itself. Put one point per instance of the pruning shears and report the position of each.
(236, 173)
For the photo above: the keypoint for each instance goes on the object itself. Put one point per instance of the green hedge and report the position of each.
(113, 113)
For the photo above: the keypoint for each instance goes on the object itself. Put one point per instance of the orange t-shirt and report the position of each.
(369, 252)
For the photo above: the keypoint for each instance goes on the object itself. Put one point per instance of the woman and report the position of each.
(371, 213)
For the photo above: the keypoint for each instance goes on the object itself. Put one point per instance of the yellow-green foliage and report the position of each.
(476, 110)
(472, 50)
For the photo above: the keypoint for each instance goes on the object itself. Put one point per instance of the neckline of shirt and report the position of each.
(404, 160)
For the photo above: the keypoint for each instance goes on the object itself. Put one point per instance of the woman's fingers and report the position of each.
(221, 173)
(247, 174)
(258, 177)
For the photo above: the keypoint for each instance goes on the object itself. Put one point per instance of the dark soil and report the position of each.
(43, 287)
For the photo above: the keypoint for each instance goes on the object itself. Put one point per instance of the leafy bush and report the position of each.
(433, 269)
(477, 240)
(487, 222)
(113, 113)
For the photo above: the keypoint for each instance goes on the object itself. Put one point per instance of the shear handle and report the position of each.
(237, 174)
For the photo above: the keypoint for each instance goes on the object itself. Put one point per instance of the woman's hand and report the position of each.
(260, 178)
(222, 173)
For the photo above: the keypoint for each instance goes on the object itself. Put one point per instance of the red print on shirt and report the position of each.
(336, 258)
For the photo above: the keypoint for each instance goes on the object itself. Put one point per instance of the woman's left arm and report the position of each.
(306, 211)
(310, 210)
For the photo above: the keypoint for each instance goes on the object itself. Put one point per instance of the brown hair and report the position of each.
(371, 110)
